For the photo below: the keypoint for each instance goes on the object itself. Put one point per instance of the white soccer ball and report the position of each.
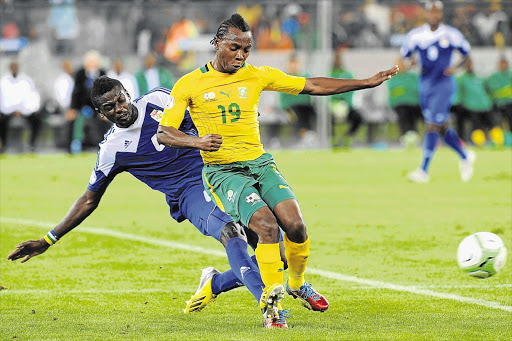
(482, 254)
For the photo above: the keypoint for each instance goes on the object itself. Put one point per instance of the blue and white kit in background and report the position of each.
(435, 49)
(174, 172)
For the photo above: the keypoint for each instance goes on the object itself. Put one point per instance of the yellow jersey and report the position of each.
(227, 104)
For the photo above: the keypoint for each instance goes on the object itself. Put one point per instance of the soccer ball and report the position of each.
(481, 254)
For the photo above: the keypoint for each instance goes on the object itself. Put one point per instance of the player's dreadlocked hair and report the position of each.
(102, 85)
(236, 21)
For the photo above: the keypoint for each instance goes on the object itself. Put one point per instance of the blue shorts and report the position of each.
(436, 98)
(196, 206)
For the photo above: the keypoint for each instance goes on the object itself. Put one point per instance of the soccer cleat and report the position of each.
(309, 297)
(203, 295)
(278, 322)
(269, 301)
(466, 166)
(419, 176)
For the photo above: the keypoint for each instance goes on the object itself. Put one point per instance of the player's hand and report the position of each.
(29, 249)
(382, 76)
(450, 71)
(210, 142)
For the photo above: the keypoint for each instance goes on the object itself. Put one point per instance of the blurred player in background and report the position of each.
(500, 86)
(434, 42)
(404, 99)
(475, 100)
(131, 146)
(244, 181)
(342, 106)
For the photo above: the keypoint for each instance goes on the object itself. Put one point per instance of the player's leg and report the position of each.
(210, 220)
(280, 198)
(227, 280)
(233, 192)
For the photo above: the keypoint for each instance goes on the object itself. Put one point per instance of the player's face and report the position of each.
(503, 65)
(233, 50)
(115, 105)
(434, 16)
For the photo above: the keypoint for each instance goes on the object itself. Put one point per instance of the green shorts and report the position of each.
(241, 188)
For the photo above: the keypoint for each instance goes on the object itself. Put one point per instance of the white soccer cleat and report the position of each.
(419, 176)
(466, 166)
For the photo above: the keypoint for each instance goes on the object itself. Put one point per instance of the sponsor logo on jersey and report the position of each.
(281, 186)
(242, 92)
(127, 143)
(225, 93)
(243, 270)
(206, 197)
(252, 199)
(92, 179)
(444, 43)
(157, 115)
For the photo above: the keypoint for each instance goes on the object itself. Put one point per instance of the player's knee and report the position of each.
(296, 231)
(269, 231)
(231, 230)
(264, 223)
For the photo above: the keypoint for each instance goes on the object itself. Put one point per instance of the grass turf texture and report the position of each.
(364, 220)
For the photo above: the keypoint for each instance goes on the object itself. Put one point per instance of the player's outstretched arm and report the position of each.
(80, 210)
(173, 138)
(324, 86)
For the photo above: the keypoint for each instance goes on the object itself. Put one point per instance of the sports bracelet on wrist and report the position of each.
(51, 238)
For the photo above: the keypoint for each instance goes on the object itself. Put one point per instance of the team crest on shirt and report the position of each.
(157, 115)
(444, 43)
(242, 92)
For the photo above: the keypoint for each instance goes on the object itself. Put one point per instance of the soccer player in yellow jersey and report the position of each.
(244, 181)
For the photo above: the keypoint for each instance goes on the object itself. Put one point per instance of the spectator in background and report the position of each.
(63, 86)
(499, 85)
(342, 106)
(62, 113)
(272, 38)
(153, 76)
(487, 23)
(127, 79)
(251, 13)
(18, 98)
(63, 20)
(86, 126)
(300, 107)
(461, 116)
(475, 99)
(404, 99)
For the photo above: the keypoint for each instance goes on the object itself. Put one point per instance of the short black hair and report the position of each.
(101, 86)
(236, 21)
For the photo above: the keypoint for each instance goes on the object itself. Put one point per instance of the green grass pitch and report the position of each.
(383, 251)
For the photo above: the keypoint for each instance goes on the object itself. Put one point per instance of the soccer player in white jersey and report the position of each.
(434, 43)
(130, 146)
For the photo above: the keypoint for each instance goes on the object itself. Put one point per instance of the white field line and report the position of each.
(323, 273)
(91, 291)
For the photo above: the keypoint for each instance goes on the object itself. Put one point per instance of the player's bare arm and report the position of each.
(173, 138)
(80, 210)
(325, 86)
(451, 70)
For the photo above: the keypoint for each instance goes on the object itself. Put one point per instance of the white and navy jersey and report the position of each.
(135, 150)
(435, 48)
